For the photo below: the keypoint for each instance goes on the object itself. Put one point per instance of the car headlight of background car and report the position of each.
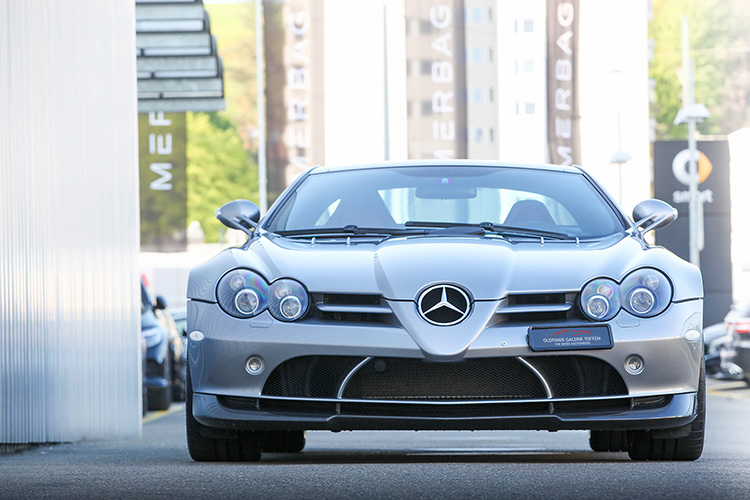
(644, 293)
(243, 294)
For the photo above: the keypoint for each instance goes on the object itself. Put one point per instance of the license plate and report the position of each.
(558, 338)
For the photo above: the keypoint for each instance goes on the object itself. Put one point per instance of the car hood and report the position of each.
(488, 268)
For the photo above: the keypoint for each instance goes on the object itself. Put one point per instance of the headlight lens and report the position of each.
(242, 293)
(600, 299)
(648, 292)
(644, 293)
(288, 300)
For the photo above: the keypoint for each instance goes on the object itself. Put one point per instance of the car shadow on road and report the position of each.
(420, 456)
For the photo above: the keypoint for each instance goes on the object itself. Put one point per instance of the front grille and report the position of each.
(471, 379)
(444, 411)
(410, 379)
(579, 376)
(310, 376)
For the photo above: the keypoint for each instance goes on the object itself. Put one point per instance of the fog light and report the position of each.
(692, 335)
(634, 365)
(254, 365)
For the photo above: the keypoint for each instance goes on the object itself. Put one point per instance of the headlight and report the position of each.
(242, 293)
(600, 299)
(288, 300)
(647, 292)
(644, 293)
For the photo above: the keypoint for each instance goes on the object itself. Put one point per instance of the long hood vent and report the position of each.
(535, 307)
(351, 307)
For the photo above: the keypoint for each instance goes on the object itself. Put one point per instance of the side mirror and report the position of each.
(653, 214)
(160, 303)
(239, 214)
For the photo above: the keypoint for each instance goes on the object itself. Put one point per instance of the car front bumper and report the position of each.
(227, 396)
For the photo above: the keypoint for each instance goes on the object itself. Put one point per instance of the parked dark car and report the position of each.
(179, 316)
(738, 327)
(165, 363)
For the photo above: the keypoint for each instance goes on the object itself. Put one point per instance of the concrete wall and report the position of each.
(69, 302)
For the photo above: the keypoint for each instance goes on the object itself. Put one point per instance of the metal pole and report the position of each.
(385, 84)
(688, 98)
(260, 71)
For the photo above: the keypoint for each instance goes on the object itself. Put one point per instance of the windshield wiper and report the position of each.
(350, 230)
(495, 228)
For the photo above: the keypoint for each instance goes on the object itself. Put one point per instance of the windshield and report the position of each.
(401, 197)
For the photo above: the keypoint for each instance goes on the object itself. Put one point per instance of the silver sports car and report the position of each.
(445, 295)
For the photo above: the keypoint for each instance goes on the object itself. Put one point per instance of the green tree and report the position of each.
(714, 29)
(218, 170)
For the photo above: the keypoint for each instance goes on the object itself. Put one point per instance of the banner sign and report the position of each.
(671, 181)
(435, 79)
(163, 181)
(563, 134)
(293, 38)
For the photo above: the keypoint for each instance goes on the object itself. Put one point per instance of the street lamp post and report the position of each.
(620, 157)
(692, 113)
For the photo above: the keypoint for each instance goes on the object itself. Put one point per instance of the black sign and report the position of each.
(163, 181)
(558, 338)
(671, 185)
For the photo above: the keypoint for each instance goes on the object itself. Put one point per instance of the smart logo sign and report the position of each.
(681, 172)
(671, 181)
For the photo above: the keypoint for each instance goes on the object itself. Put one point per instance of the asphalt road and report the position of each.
(428, 465)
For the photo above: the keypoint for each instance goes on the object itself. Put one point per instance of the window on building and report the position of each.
(530, 108)
(528, 25)
(408, 67)
(426, 108)
(425, 67)
(491, 94)
(477, 94)
(491, 133)
(477, 54)
(528, 66)
(478, 135)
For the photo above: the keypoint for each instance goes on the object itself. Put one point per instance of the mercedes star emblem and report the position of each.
(443, 305)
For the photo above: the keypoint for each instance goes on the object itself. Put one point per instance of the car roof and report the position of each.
(444, 163)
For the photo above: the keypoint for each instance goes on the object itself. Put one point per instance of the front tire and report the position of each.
(645, 447)
(609, 440)
(244, 446)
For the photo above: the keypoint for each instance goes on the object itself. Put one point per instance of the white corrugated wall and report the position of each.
(69, 297)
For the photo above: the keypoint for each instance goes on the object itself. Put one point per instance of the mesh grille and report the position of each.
(579, 376)
(421, 380)
(416, 379)
(310, 376)
(444, 411)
